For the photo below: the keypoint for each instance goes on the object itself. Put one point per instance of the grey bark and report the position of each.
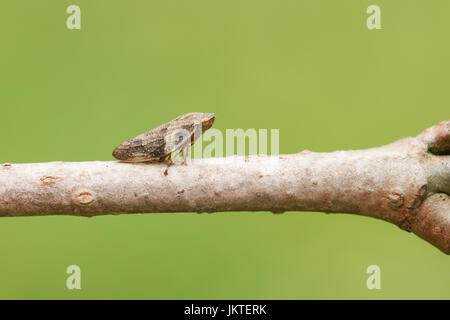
(406, 183)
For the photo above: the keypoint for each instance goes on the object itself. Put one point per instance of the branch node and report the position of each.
(437, 138)
(84, 198)
(49, 180)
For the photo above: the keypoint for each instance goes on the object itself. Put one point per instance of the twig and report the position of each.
(406, 183)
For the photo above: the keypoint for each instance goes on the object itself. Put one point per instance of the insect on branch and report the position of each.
(406, 183)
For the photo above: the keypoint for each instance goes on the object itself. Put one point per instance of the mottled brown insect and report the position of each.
(170, 138)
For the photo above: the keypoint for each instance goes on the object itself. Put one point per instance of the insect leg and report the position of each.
(169, 157)
(185, 154)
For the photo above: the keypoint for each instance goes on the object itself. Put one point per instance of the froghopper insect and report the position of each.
(170, 138)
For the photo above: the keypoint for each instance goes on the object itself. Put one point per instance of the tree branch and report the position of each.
(406, 183)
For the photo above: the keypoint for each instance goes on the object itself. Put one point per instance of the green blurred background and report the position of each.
(310, 68)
